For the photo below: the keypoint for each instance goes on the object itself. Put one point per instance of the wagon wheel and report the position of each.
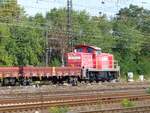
(24, 82)
(12, 81)
(5, 81)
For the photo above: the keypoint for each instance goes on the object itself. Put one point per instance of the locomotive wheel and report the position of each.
(73, 81)
(86, 81)
(30, 82)
(24, 82)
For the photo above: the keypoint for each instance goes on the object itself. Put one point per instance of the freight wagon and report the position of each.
(84, 64)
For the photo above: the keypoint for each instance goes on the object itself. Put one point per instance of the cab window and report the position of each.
(79, 50)
(89, 50)
(98, 52)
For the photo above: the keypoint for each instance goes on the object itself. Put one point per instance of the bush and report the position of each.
(58, 110)
(55, 62)
(127, 103)
(148, 90)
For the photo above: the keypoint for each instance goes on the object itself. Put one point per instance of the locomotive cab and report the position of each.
(98, 66)
(87, 49)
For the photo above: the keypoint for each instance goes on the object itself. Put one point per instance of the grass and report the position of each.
(127, 103)
(58, 110)
(148, 90)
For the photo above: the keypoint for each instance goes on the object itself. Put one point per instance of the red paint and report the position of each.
(90, 57)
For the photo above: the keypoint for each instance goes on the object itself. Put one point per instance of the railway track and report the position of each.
(65, 95)
(80, 100)
(74, 98)
(102, 86)
(29, 101)
(141, 109)
(40, 91)
(40, 103)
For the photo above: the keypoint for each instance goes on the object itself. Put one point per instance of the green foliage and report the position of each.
(127, 103)
(55, 62)
(19, 45)
(5, 58)
(9, 11)
(148, 90)
(58, 110)
(131, 43)
(126, 36)
(28, 45)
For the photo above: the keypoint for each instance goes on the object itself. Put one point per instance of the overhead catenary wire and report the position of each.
(143, 44)
(95, 9)
(56, 31)
(64, 25)
(46, 25)
(83, 7)
(75, 4)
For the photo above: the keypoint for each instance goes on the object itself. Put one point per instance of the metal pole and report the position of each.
(69, 21)
(46, 47)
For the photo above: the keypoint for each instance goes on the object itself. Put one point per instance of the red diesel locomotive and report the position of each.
(85, 63)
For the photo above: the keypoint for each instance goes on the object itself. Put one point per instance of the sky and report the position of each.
(93, 7)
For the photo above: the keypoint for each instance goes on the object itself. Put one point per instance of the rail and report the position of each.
(44, 102)
(140, 109)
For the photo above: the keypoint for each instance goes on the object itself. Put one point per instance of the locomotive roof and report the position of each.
(94, 47)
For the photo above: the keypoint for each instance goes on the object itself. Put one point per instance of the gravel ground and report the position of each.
(107, 106)
(66, 87)
(90, 107)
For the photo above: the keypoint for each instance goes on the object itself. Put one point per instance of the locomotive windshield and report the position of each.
(79, 50)
(90, 50)
(98, 51)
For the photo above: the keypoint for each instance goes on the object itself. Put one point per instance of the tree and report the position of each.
(20, 43)
(5, 58)
(10, 11)
(28, 46)
(130, 30)
(23, 39)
